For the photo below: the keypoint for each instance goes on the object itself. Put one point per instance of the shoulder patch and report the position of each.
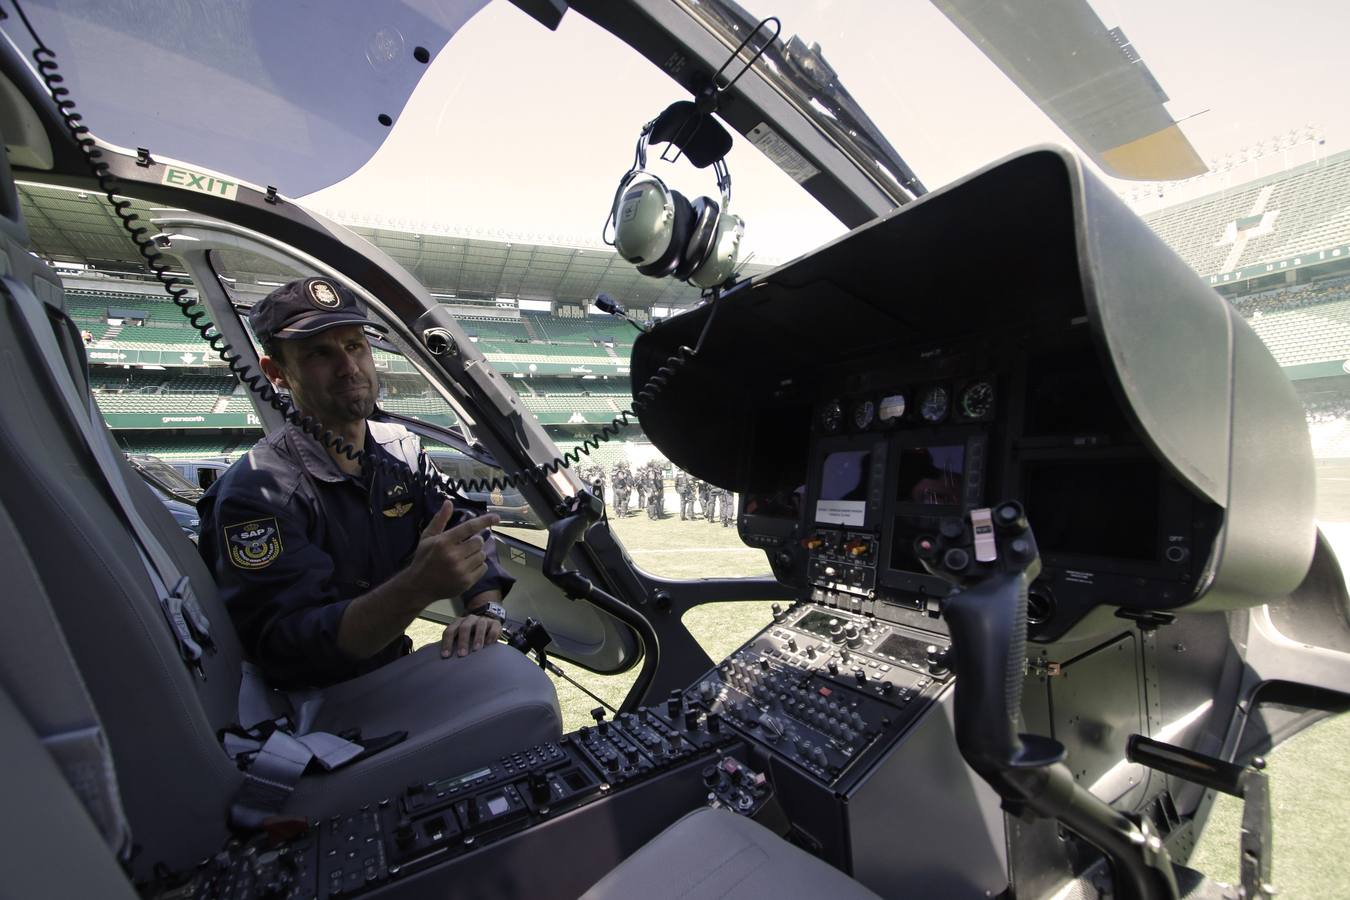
(255, 544)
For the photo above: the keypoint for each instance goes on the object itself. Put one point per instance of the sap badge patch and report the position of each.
(255, 544)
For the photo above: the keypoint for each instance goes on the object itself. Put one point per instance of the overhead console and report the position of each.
(1018, 335)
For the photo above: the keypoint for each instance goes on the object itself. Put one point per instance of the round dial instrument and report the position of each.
(935, 403)
(891, 409)
(832, 417)
(977, 400)
(864, 413)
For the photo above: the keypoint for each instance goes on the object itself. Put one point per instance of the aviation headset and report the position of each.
(663, 233)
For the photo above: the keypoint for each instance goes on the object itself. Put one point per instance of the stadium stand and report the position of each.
(1313, 334)
(1298, 211)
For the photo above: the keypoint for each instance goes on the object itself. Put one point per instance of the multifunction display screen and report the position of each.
(931, 476)
(845, 481)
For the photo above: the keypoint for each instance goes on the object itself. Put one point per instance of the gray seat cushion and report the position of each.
(715, 853)
(459, 712)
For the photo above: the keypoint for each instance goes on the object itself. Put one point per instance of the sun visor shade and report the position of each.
(295, 95)
(1031, 246)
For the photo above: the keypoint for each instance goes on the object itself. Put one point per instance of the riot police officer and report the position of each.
(623, 485)
(685, 489)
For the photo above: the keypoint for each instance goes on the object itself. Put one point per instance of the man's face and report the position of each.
(331, 376)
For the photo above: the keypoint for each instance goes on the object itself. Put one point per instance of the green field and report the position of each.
(1310, 774)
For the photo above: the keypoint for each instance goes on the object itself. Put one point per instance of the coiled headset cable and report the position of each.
(258, 383)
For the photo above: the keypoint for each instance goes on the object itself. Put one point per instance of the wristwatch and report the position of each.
(491, 611)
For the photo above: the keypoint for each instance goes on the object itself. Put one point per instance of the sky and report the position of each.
(520, 133)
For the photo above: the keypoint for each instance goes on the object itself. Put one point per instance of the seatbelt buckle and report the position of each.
(192, 611)
(191, 651)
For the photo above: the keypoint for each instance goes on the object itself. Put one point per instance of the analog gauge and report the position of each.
(977, 400)
(933, 406)
(832, 417)
(864, 412)
(891, 409)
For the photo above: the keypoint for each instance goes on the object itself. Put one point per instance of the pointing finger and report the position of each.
(437, 523)
(465, 530)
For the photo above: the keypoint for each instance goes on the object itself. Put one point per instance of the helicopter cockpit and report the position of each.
(1046, 569)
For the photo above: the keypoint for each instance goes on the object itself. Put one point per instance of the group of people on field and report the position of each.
(633, 489)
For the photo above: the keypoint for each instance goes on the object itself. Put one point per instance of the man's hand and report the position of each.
(464, 636)
(447, 563)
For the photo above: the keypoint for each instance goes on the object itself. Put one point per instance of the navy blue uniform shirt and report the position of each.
(292, 539)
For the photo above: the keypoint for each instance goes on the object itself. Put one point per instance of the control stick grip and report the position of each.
(988, 623)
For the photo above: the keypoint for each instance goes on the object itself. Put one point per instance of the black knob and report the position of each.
(673, 706)
(956, 559)
(632, 756)
(474, 813)
(860, 675)
(852, 635)
(714, 723)
(764, 665)
(836, 631)
(937, 660)
(691, 720)
(810, 652)
(540, 789)
(792, 644)
(887, 688)
(598, 714)
(834, 667)
(777, 612)
(603, 727)
(403, 832)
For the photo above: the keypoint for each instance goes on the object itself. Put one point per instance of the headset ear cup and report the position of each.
(679, 236)
(720, 264)
(701, 234)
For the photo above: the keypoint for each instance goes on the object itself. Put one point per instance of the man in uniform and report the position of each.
(622, 487)
(728, 507)
(686, 494)
(323, 561)
(706, 500)
(640, 485)
(658, 491)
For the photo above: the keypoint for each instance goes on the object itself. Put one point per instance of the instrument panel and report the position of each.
(910, 406)
(897, 448)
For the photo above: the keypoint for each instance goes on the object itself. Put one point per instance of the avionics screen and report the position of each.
(845, 481)
(931, 476)
(1094, 508)
(816, 622)
(905, 649)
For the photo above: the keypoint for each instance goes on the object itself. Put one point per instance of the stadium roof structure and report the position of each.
(71, 226)
(1280, 222)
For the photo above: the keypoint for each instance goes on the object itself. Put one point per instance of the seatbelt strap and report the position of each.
(189, 625)
(39, 672)
(273, 763)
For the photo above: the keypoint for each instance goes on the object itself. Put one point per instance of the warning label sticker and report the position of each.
(781, 153)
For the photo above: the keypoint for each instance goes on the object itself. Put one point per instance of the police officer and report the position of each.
(657, 488)
(686, 493)
(324, 561)
(623, 484)
(705, 499)
(640, 485)
(728, 507)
